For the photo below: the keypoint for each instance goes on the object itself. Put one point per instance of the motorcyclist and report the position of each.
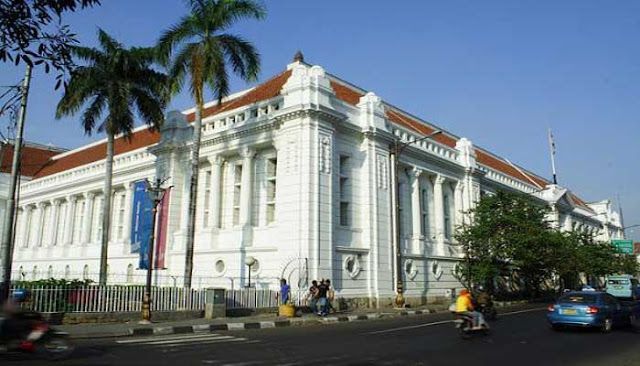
(13, 326)
(483, 298)
(464, 306)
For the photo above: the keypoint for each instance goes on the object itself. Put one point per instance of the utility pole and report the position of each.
(157, 194)
(396, 149)
(7, 237)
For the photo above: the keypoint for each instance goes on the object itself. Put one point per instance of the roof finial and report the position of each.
(298, 57)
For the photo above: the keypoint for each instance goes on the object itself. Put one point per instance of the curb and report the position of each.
(292, 322)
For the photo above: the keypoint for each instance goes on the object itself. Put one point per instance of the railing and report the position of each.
(102, 299)
(99, 299)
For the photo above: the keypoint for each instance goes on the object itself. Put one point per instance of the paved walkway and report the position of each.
(227, 323)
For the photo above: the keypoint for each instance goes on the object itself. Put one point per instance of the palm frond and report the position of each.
(243, 56)
(108, 43)
(178, 33)
(92, 113)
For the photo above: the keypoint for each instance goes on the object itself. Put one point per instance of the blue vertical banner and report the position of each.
(141, 221)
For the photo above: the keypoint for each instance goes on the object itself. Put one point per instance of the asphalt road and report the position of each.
(518, 338)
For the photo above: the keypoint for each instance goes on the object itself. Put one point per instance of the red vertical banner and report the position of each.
(161, 229)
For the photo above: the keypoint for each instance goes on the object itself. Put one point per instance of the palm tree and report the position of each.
(115, 83)
(205, 53)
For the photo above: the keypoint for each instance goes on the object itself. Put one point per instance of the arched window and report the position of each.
(130, 273)
(21, 275)
(85, 272)
(67, 272)
(50, 272)
(34, 273)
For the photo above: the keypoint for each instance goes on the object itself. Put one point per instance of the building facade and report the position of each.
(297, 173)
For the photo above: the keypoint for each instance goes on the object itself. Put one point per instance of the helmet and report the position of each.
(464, 292)
(20, 295)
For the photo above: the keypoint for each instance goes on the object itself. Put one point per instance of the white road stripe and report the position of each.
(177, 341)
(175, 336)
(447, 321)
(412, 327)
(206, 342)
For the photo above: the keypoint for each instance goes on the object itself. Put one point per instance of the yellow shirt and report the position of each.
(463, 304)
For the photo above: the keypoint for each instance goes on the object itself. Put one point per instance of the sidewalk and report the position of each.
(236, 323)
(248, 322)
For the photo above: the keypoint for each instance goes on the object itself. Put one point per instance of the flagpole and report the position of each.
(552, 151)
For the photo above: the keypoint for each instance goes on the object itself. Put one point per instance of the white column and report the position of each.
(247, 186)
(458, 204)
(416, 214)
(26, 214)
(68, 231)
(126, 225)
(214, 191)
(37, 225)
(88, 219)
(53, 222)
(438, 202)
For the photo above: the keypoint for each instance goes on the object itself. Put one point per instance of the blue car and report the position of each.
(590, 309)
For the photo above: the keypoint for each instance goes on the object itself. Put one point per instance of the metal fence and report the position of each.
(100, 299)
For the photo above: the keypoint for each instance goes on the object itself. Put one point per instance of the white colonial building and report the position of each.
(297, 173)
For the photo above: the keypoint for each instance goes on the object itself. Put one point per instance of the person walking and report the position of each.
(313, 295)
(323, 289)
(285, 292)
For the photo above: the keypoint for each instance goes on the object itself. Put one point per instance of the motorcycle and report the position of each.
(465, 324)
(488, 311)
(37, 337)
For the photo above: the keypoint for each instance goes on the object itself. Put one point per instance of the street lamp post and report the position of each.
(249, 261)
(396, 149)
(157, 194)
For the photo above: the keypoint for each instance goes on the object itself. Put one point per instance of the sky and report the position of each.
(499, 72)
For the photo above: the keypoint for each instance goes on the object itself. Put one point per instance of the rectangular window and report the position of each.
(121, 208)
(271, 169)
(207, 198)
(237, 190)
(447, 217)
(98, 214)
(345, 191)
(79, 221)
(424, 211)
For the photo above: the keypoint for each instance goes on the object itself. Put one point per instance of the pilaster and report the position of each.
(88, 217)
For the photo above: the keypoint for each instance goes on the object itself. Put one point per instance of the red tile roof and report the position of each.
(267, 90)
(98, 152)
(33, 158)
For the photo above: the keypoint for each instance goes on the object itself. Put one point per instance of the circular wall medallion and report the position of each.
(351, 265)
(436, 269)
(220, 267)
(410, 269)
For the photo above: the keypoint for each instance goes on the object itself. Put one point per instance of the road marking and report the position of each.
(521, 311)
(175, 336)
(177, 341)
(227, 340)
(446, 322)
(411, 327)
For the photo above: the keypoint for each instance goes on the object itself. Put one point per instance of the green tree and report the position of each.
(33, 31)
(115, 83)
(508, 232)
(198, 46)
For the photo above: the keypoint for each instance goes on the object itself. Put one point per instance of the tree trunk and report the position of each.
(193, 194)
(106, 209)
